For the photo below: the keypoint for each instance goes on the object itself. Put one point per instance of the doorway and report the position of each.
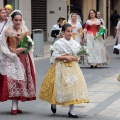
(76, 6)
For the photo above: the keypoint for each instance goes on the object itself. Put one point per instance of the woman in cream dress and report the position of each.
(75, 20)
(64, 83)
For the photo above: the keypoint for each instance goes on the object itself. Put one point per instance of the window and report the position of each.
(14, 3)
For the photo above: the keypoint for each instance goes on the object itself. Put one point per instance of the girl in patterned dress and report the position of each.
(64, 83)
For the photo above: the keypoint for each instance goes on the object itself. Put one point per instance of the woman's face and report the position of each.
(68, 33)
(92, 14)
(74, 17)
(17, 20)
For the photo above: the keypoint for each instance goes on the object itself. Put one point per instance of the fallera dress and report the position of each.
(97, 50)
(11, 89)
(64, 83)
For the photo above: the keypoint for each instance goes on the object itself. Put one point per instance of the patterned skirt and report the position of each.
(23, 90)
(98, 54)
(62, 87)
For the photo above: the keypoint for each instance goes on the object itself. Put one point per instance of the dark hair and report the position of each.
(94, 12)
(115, 11)
(73, 14)
(14, 14)
(65, 26)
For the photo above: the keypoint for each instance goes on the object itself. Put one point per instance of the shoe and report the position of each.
(53, 110)
(91, 66)
(13, 112)
(72, 116)
(19, 111)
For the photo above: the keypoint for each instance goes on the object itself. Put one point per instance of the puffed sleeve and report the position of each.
(118, 26)
(85, 27)
(57, 51)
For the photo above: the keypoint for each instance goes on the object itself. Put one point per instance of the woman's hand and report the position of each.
(81, 42)
(116, 36)
(70, 58)
(85, 39)
(57, 36)
(20, 50)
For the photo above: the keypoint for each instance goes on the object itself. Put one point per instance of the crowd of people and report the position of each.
(64, 83)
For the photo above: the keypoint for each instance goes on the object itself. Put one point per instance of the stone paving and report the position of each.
(103, 90)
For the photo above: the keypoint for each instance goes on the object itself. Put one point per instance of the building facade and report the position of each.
(43, 14)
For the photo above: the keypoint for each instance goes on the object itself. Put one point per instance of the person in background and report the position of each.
(99, 17)
(75, 21)
(8, 9)
(2, 20)
(118, 31)
(56, 29)
(96, 47)
(114, 20)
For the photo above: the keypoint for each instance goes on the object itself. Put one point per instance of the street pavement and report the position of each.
(103, 90)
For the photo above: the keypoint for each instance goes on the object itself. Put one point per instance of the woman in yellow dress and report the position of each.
(64, 83)
(75, 20)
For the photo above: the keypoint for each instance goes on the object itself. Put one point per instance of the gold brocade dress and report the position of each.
(64, 83)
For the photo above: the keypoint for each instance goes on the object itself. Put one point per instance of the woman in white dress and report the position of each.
(97, 50)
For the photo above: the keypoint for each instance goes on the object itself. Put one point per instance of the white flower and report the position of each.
(30, 40)
(87, 51)
(51, 48)
(85, 47)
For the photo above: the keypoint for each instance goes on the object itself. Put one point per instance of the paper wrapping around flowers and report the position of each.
(101, 31)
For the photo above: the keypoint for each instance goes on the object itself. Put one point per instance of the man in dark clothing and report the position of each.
(114, 20)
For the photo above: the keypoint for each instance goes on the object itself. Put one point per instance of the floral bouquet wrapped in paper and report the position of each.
(102, 30)
(27, 43)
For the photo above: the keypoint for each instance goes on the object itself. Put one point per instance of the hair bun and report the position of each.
(64, 22)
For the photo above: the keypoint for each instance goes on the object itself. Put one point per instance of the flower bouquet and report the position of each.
(100, 32)
(83, 50)
(27, 43)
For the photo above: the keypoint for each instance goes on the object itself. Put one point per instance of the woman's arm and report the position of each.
(80, 33)
(85, 32)
(68, 58)
(118, 29)
(117, 33)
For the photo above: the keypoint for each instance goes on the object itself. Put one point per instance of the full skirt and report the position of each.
(23, 90)
(64, 85)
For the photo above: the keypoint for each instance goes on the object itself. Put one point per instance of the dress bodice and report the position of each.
(13, 41)
(92, 27)
(13, 38)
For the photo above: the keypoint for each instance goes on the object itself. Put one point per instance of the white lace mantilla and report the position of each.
(97, 22)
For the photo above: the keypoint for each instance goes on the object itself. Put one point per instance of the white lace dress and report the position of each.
(96, 47)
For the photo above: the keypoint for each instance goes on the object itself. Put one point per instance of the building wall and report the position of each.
(87, 6)
(117, 5)
(25, 7)
(54, 6)
(1, 3)
(102, 9)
